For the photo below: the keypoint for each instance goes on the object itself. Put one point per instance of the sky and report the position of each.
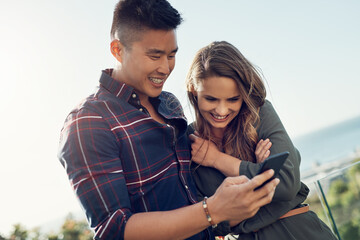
(52, 53)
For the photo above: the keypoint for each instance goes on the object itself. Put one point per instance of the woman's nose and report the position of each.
(221, 109)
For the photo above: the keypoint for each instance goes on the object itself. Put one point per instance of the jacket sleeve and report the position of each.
(290, 192)
(271, 127)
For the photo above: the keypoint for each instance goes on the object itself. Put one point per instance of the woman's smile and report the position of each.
(219, 117)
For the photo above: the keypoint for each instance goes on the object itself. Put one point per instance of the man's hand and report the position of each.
(235, 200)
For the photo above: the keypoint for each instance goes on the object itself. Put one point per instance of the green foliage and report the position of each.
(71, 229)
(74, 230)
(338, 187)
(52, 237)
(19, 233)
(350, 230)
(343, 197)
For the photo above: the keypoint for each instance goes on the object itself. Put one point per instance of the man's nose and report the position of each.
(164, 67)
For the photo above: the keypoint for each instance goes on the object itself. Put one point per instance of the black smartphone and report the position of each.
(274, 162)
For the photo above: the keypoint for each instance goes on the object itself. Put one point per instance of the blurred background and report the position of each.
(52, 53)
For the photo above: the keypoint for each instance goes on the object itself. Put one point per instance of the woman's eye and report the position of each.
(210, 99)
(233, 99)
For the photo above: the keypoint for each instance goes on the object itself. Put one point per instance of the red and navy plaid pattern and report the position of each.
(120, 161)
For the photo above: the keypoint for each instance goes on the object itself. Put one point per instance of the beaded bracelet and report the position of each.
(204, 203)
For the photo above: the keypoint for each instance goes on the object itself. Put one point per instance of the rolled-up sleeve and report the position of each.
(89, 152)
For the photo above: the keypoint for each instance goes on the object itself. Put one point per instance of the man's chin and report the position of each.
(155, 94)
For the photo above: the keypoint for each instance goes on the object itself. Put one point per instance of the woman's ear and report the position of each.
(194, 93)
(192, 90)
(116, 48)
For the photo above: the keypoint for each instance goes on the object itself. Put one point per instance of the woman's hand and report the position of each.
(207, 154)
(203, 152)
(262, 150)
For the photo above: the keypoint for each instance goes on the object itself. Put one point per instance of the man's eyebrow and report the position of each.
(175, 50)
(158, 51)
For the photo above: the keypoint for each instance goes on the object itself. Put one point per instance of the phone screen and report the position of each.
(274, 162)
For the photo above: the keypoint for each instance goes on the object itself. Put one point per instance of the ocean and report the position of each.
(333, 143)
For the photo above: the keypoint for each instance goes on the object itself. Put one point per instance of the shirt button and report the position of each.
(141, 109)
(134, 95)
(186, 187)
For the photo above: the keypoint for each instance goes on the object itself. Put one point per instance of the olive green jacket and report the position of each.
(289, 194)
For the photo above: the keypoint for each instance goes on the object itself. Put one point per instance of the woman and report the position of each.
(228, 96)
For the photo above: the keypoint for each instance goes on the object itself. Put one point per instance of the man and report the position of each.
(125, 149)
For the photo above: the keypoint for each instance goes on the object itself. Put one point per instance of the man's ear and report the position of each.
(117, 48)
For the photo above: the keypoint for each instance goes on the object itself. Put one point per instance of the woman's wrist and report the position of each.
(227, 164)
(215, 158)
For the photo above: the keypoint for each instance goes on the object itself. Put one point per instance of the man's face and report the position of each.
(147, 63)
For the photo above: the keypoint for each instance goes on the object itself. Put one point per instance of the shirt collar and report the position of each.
(119, 89)
(166, 104)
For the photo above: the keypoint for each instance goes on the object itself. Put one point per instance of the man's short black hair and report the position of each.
(132, 17)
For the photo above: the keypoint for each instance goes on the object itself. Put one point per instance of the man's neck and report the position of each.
(144, 99)
(115, 74)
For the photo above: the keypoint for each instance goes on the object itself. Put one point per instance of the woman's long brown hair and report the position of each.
(222, 59)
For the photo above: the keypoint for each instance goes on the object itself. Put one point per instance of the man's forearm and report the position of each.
(234, 200)
(176, 224)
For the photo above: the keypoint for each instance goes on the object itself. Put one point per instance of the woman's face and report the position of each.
(219, 102)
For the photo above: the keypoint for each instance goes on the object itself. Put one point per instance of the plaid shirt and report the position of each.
(120, 161)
